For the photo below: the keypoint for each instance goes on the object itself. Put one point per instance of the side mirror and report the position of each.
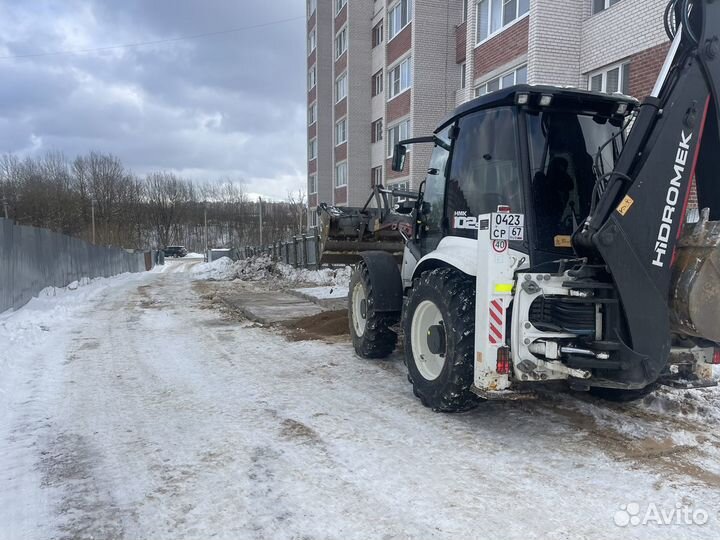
(398, 161)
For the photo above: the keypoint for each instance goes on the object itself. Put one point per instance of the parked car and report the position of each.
(175, 251)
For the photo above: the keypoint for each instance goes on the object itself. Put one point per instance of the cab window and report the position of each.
(484, 172)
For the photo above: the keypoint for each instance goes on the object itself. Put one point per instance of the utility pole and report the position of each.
(5, 206)
(206, 232)
(261, 223)
(92, 214)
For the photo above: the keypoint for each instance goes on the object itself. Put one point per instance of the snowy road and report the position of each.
(135, 409)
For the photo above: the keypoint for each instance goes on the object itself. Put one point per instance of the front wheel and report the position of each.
(439, 328)
(371, 331)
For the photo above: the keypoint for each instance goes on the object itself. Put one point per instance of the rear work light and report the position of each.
(503, 361)
(546, 100)
(716, 356)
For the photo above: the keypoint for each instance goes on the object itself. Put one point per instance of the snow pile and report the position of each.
(194, 256)
(218, 270)
(265, 269)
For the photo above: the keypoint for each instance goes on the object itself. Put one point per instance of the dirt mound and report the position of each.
(328, 324)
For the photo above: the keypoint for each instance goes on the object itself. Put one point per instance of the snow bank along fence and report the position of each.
(302, 251)
(32, 259)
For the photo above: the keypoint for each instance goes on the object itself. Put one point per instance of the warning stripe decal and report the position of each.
(497, 316)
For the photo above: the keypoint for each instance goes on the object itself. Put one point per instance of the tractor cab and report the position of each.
(532, 150)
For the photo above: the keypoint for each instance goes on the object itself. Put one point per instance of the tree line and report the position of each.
(156, 210)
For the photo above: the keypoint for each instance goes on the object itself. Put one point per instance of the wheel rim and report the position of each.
(359, 314)
(429, 365)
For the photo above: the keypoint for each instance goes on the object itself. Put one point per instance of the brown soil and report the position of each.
(328, 324)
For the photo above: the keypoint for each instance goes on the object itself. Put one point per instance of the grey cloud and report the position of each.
(218, 107)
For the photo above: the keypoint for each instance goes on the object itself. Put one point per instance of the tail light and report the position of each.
(716, 356)
(503, 360)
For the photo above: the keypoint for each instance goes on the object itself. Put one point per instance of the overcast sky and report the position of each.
(229, 106)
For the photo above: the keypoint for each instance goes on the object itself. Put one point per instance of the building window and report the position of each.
(312, 42)
(340, 43)
(377, 83)
(494, 15)
(377, 131)
(465, 10)
(610, 80)
(398, 132)
(313, 219)
(341, 174)
(400, 186)
(463, 75)
(312, 149)
(312, 184)
(339, 4)
(399, 16)
(311, 5)
(378, 33)
(312, 114)
(516, 76)
(376, 176)
(400, 77)
(341, 132)
(312, 77)
(341, 88)
(602, 5)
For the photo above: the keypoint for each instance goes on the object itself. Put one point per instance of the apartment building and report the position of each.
(383, 70)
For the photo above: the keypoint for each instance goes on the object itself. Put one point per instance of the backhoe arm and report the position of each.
(636, 223)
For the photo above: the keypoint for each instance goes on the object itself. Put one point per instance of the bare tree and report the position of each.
(298, 209)
(166, 196)
(54, 192)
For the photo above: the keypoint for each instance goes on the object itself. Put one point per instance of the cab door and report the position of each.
(431, 216)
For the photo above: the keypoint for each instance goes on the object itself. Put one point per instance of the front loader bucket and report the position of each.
(695, 292)
(347, 232)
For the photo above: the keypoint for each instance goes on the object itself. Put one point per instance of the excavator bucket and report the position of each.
(345, 232)
(695, 293)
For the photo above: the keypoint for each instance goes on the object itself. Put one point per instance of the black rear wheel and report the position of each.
(439, 340)
(371, 331)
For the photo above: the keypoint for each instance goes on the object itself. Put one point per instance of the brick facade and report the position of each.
(312, 58)
(644, 69)
(502, 48)
(341, 152)
(620, 32)
(398, 107)
(460, 43)
(399, 45)
(340, 109)
(341, 64)
(311, 21)
(340, 195)
(341, 18)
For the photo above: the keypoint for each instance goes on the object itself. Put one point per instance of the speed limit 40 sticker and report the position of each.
(508, 227)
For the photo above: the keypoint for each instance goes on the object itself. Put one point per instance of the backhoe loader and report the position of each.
(550, 243)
